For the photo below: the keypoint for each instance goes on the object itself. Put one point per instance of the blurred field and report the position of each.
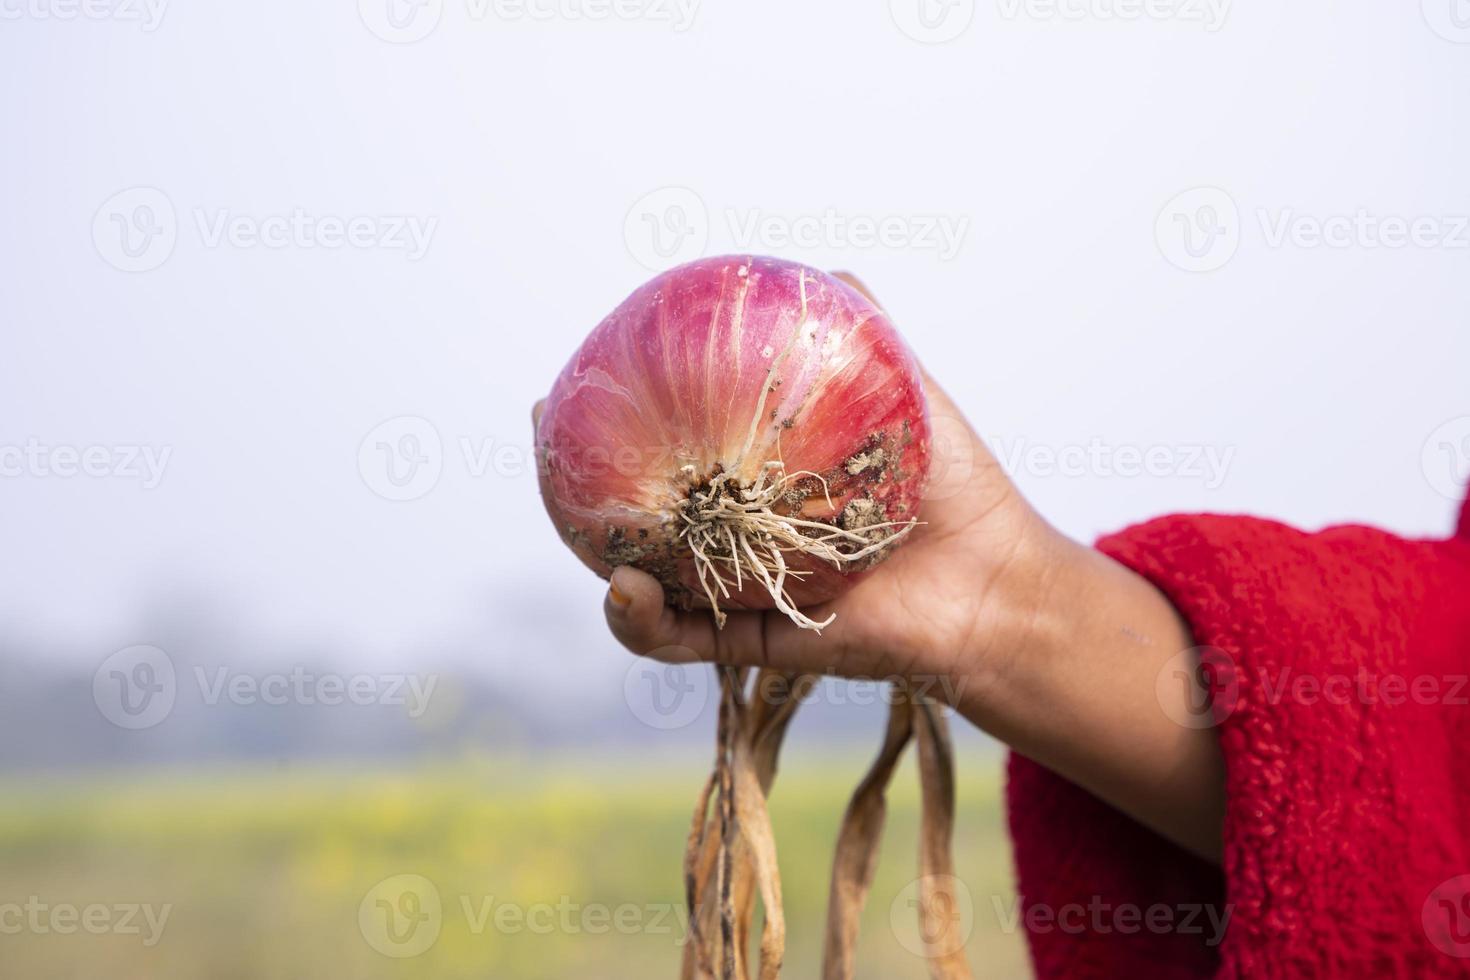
(557, 870)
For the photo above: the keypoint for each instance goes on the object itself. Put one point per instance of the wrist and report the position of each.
(1057, 616)
(1023, 613)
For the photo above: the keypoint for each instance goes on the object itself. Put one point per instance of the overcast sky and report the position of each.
(238, 239)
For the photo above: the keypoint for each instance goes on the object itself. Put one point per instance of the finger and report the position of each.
(640, 621)
(859, 285)
(536, 411)
(938, 400)
(959, 452)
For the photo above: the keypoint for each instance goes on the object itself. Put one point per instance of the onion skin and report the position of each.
(666, 393)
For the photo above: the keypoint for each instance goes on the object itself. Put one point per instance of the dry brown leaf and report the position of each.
(939, 920)
(857, 847)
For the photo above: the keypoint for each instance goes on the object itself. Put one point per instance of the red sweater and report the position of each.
(1339, 664)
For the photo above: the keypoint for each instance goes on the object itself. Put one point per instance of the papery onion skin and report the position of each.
(664, 395)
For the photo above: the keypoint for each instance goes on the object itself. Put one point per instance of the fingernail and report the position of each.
(618, 599)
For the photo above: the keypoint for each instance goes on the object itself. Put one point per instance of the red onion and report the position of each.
(750, 431)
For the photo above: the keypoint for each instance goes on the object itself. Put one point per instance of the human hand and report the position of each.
(1048, 645)
(964, 575)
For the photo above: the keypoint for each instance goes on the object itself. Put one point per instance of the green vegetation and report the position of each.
(554, 870)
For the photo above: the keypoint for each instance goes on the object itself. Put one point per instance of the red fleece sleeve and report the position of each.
(1340, 668)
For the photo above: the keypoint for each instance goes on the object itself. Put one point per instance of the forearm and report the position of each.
(1071, 681)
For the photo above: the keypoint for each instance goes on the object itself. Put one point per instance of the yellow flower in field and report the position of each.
(542, 874)
(328, 868)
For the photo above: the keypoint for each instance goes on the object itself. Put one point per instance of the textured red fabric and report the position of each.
(1347, 833)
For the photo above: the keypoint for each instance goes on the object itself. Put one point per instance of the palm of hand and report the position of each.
(911, 616)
